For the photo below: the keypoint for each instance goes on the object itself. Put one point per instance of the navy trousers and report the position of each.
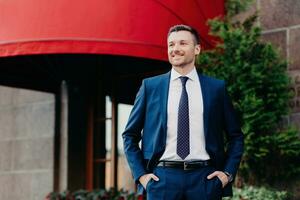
(177, 184)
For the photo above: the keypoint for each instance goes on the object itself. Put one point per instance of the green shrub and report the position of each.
(98, 194)
(234, 7)
(258, 193)
(258, 84)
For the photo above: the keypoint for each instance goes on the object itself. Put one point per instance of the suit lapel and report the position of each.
(163, 88)
(206, 101)
(164, 92)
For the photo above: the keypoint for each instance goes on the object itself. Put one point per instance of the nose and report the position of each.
(176, 47)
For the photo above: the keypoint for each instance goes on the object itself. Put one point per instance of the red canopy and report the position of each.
(117, 27)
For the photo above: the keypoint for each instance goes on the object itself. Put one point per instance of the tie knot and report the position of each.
(183, 80)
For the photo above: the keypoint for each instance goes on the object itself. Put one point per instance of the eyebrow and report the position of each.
(179, 41)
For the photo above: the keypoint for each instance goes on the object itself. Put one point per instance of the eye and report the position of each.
(183, 43)
(171, 45)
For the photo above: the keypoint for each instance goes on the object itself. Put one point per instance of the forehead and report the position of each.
(180, 35)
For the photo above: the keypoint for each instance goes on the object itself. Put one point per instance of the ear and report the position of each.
(197, 49)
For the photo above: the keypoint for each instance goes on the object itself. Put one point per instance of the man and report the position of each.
(182, 118)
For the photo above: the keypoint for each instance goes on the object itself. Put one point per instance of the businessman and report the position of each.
(191, 141)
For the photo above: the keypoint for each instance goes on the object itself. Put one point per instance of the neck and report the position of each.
(184, 70)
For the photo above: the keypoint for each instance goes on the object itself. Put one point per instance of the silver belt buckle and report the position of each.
(185, 166)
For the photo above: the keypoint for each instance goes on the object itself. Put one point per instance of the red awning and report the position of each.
(116, 27)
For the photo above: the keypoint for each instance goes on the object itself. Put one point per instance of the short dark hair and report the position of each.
(182, 27)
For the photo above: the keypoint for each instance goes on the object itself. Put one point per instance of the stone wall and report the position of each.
(281, 24)
(280, 21)
(26, 144)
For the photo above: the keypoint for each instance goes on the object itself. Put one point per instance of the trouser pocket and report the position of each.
(213, 188)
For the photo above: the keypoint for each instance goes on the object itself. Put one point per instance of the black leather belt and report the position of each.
(188, 165)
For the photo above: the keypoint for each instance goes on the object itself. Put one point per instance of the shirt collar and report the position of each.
(193, 75)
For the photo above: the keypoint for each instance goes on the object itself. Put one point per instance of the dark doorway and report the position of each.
(90, 79)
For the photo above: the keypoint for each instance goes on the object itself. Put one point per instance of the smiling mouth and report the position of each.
(176, 56)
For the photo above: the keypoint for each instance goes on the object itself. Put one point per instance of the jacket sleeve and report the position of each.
(234, 136)
(132, 135)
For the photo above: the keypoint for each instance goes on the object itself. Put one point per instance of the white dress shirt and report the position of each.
(197, 139)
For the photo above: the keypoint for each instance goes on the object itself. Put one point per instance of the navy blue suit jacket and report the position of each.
(148, 122)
